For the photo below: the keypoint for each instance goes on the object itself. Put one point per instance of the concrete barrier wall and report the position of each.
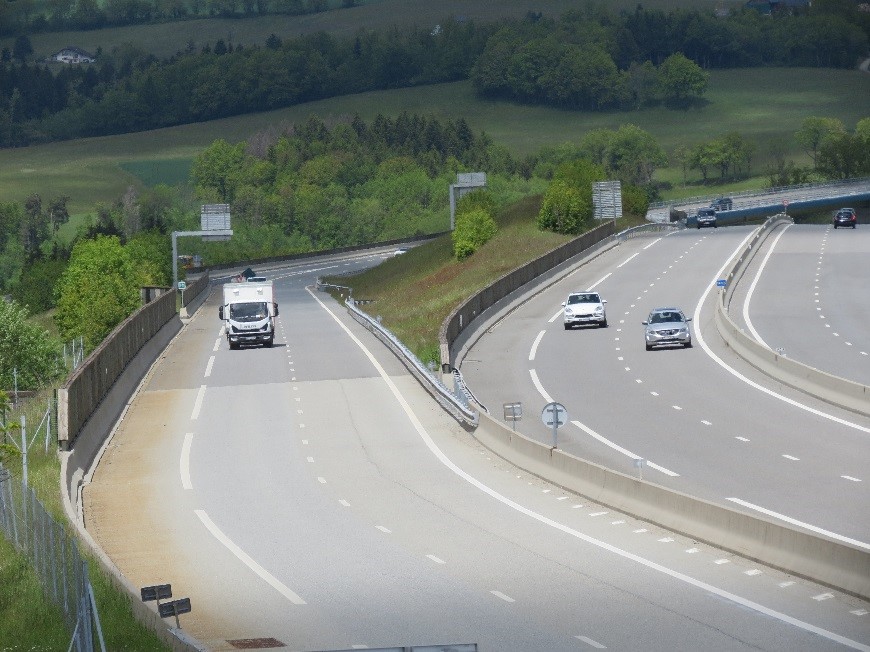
(841, 392)
(474, 306)
(794, 551)
(89, 384)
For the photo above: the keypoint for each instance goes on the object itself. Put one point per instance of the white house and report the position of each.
(71, 54)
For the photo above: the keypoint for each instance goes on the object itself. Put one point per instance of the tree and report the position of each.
(681, 80)
(26, 351)
(34, 226)
(844, 155)
(814, 131)
(634, 155)
(215, 171)
(98, 290)
(564, 208)
(58, 213)
(473, 229)
(22, 48)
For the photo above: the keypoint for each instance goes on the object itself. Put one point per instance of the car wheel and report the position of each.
(688, 344)
(649, 347)
(854, 226)
(567, 327)
(233, 347)
(835, 226)
(603, 324)
(269, 343)
(699, 227)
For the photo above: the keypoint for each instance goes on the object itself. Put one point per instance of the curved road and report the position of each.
(708, 424)
(312, 494)
(807, 295)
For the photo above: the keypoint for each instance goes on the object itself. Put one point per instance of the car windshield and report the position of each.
(251, 311)
(583, 298)
(665, 317)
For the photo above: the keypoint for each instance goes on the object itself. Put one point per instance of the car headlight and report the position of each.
(569, 312)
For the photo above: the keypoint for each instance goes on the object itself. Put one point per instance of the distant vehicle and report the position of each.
(666, 326)
(256, 279)
(722, 204)
(249, 312)
(845, 217)
(706, 217)
(400, 251)
(584, 308)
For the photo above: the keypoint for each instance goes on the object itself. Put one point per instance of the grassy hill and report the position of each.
(765, 105)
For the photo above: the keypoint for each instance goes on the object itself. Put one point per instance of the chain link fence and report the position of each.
(54, 556)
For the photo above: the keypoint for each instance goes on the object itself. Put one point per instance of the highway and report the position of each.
(312, 496)
(707, 424)
(807, 295)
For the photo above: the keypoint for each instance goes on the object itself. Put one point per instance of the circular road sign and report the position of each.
(554, 415)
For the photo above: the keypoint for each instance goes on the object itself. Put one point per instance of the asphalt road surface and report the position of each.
(313, 494)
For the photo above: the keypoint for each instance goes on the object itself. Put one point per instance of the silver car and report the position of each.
(667, 326)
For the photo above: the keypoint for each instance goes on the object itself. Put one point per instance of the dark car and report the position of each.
(845, 217)
(722, 204)
(706, 217)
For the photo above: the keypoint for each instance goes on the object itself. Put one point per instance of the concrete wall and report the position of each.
(795, 551)
(90, 383)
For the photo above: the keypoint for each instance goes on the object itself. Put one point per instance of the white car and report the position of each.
(585, 308)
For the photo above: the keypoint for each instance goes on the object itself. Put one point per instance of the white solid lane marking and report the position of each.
(599, 282)
(561, 527)
(752, 289)
(651, 244)
(437, 560)
(788, 519)
(534, 348)
(184, 462)
(589, 641)
(501, 595)
(627, 260)
(197, 404)
(622, 450)
(539, 386)
(209, 366)
(247, 560)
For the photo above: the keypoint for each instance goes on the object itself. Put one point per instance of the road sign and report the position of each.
(554, 415)
(182, 285)
(156, 592)
(721, 283)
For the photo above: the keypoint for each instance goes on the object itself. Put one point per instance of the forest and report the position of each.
(589, 59)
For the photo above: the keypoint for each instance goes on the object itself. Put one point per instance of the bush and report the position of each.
(565, 209)
(473, 229)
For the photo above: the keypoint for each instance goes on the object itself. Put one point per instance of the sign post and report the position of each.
(513, 412)
(554, 415)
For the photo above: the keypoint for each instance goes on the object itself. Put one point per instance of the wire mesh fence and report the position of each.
(54, 556)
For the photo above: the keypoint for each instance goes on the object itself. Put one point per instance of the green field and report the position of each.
(764, 105)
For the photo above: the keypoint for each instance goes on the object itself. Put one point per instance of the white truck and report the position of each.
(249, 311)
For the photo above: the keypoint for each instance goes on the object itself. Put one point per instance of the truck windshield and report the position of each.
(251, 311)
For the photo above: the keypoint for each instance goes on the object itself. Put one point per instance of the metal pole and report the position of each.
(24, 447)
(555, 428)
(174, 260)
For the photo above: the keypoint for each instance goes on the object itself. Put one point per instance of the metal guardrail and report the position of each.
(455, 403)
(746, 201)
